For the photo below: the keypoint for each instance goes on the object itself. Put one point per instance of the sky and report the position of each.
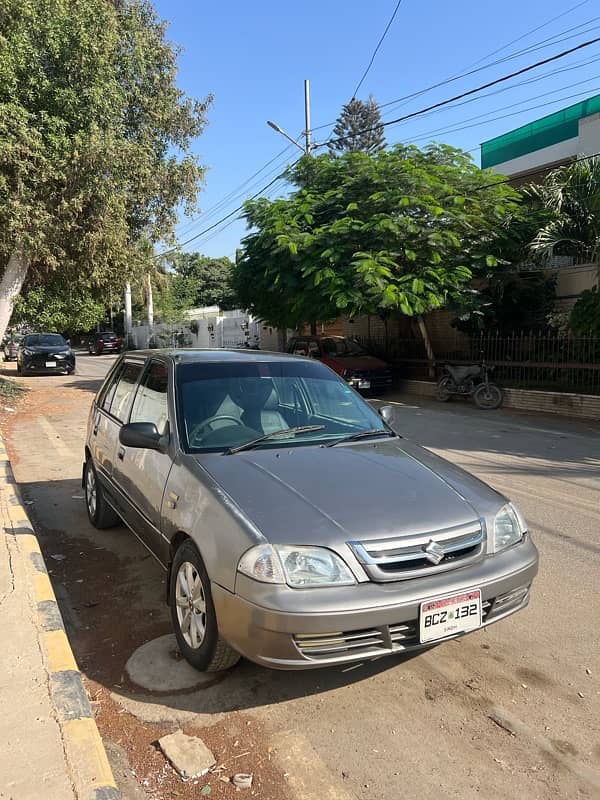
(254, 56)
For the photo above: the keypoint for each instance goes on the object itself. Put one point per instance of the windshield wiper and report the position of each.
(253, 442)
(362, 435)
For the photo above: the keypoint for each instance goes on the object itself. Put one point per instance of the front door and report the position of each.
(139, 474)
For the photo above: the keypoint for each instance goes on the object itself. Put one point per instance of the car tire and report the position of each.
(195, 626)
(100, 514)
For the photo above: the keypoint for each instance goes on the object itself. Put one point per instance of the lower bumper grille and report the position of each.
(387, 639)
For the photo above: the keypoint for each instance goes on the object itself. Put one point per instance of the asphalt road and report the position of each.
(418, 727)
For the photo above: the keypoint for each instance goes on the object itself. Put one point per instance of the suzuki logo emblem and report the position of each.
(434, 552)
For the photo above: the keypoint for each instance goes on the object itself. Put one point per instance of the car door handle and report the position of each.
(121, 453)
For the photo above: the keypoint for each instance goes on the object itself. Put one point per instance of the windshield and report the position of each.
(222, 406)
(343, 347)
(107, 337)
(44, 340)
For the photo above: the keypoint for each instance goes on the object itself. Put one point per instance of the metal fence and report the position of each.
(521, 360)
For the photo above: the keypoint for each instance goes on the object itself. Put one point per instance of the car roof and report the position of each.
(189, 355)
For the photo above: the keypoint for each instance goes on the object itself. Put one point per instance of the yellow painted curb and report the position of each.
(82, 738)
(59, 653)
(86, 757)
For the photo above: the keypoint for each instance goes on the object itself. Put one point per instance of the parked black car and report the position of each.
(45, 352)
(105, 342)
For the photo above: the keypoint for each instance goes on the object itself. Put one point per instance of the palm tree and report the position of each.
(572, 194)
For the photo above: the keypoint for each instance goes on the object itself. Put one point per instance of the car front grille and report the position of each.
(39, 359)
(368, 642)
(406, 556)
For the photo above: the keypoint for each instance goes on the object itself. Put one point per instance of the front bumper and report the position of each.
(38, 364)
(285, 628)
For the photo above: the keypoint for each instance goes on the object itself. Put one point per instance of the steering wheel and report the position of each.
(198, 429)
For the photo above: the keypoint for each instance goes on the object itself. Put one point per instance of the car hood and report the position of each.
(47, 348)
(330, 495)
(359, 362)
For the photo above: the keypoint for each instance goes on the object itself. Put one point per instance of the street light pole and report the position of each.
(308, 145)
(307, 115)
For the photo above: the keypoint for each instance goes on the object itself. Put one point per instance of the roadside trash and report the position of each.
(7, 408)
(205, 790)
(58, 557)
(580, 694)
(242, 780)
(588, 671)
(503, 723)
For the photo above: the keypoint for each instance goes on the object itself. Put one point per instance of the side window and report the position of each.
(123, 392)
(329, 347)
(300, 348)
(327, 400)
(108, 392)
(150, 404)
(313, 349)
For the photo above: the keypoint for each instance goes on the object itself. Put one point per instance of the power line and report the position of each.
(543, 44)
(223, 219)
(379, 43)
(460, 127)
(525, 35)
(470, 92)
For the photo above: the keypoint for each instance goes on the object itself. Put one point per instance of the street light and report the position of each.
(307, 148)
(276, 127)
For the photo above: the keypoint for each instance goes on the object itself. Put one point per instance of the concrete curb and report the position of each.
(90, 771)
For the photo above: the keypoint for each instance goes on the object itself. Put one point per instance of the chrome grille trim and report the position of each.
(391, 559)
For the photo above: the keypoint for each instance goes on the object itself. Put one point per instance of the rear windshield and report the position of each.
(44, 340)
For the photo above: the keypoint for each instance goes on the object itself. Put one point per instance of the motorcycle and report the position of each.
(470, 381)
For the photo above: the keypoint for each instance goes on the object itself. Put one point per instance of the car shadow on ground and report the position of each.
(111, 595)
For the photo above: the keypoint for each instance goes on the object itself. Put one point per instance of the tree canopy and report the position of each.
(397, 231)
(204, 281)
(95, 141)
(358, 128)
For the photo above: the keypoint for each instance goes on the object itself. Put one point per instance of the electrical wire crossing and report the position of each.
(379, 43)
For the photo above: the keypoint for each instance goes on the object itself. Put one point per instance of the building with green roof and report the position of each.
(548, 142)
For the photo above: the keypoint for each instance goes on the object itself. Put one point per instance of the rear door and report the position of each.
(112, 407)
(140, 475)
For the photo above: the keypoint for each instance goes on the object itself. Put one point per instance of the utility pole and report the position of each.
(128, 325)
(307, 116)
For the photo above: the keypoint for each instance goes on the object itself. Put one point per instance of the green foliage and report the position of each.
(571, 194)
(358, 128)
(55, 307)
(397, 231)
(203, 281)
(585, 316)
(95, 156)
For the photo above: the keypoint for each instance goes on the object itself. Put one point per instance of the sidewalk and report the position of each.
(49, 743)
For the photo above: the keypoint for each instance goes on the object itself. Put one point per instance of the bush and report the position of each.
(585, 317)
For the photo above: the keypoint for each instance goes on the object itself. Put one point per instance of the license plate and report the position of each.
(447, 616)
(50, 363)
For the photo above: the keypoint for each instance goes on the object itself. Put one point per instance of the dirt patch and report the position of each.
(240, 744)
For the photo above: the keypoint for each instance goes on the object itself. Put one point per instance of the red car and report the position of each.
(346, 357)
(105, 342)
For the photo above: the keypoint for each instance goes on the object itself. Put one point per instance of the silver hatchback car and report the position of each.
(297, 528)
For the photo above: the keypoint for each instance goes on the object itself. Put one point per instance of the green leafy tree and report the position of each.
(94, 142)
(203, 281)
(358, 128)
(56, 307)
(571, 195)
(396, 232)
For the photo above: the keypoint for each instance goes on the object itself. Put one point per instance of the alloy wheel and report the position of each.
(91, 493)
(191, 605)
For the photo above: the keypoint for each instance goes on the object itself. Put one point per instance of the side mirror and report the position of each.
(141, 434)
(387, 413)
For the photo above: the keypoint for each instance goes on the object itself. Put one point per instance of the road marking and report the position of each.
(52, 434)
(306, 773)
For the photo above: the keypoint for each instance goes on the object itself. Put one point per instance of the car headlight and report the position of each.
(61, 355)
(298, 566)
(509, 527)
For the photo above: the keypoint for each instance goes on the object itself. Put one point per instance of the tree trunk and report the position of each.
(427, 342)
(10, 286)
(149, 301)
(282, 339)
(313, 328)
